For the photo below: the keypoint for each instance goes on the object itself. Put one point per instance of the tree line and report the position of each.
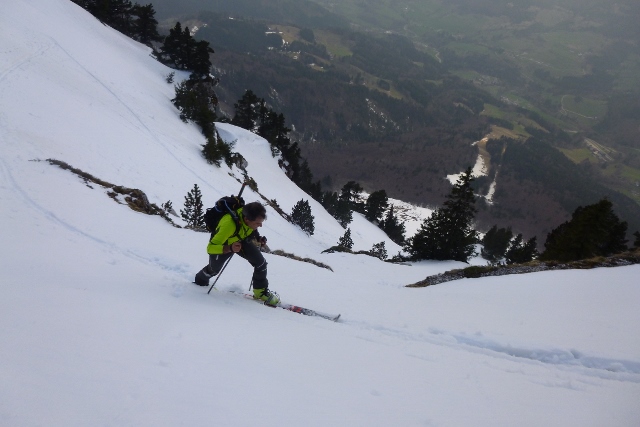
(136, 21)
(593, 230)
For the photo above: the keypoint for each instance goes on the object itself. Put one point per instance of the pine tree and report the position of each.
(182, 51)
(186, 50)
(495, 243)
(376, 204)
(393, 227)
(301, 216)
(379, 250)
(215, 150)
(247, 111)
(593, 230)
(145, 27)
(337, 208)
(170, 49)
(197, 101)
(131, 19)
(345, 242)
(350, 193)
(193, 212)
(119, 15)
(448, 232)
(520, 252)
(304, 179)
(167, 207)
(200, 64)
(636, 243)
(272, 128)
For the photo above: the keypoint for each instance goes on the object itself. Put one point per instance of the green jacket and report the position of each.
(224, 234)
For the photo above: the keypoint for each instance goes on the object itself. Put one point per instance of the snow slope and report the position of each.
(100, 325)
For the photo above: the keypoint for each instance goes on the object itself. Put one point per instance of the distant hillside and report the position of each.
(297, 12)
(398, 106)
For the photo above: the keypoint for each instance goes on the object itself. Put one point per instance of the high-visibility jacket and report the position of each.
(227, 232)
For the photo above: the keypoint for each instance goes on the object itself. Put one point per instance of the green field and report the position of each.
(628, 74)
(579, 155)
(588, 108)
(333, 42)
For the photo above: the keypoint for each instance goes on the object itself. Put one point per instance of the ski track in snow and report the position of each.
(133, 113)
(141, 124)
(572, 360)
(17, 64)
(182, 270)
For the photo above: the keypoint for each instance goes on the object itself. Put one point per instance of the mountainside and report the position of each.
(395, 100)
(101, 325)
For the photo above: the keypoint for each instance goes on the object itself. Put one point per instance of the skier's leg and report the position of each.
(251, 253)
(261, 291)
(216, 262)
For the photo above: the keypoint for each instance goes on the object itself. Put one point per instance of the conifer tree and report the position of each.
(520, 251)
(379, 250)
(167, 207)
(273, 129)
(169, 51)
(301, 216)
(247, 111)
(200, 64)
(392, 226)
(215, 150)
(350, 193)
(145, 27)
(193, 212)
(448, 232)
(346, 242)
(593, 230)
(495, 243)
(119, 15)
(197, 102)
(182, 51)
(636, 243)
(337, 208)
(376, 204)
(304, 179)
(185, 53)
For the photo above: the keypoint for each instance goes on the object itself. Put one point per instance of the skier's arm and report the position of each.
(226, 229)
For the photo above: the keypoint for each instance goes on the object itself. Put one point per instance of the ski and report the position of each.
(292, 308)
(309, 312)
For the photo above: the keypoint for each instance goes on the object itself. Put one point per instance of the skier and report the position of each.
(231, 237)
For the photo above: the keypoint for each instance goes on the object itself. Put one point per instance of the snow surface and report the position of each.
(100, 325)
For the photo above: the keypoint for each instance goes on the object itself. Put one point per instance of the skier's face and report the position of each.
(255, 224)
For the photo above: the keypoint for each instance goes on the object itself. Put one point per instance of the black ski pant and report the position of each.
(250, 252)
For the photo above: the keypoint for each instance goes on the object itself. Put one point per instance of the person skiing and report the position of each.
(231, 237)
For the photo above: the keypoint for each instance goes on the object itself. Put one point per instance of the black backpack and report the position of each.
(226, 205)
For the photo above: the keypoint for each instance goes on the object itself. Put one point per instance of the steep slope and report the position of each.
(100, 325)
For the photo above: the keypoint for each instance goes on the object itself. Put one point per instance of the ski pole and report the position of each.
(244, 184)
(220, 274)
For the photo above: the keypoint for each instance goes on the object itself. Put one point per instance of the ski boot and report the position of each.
(269, 298)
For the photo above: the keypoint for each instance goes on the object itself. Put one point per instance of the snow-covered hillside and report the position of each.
(100, 325)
